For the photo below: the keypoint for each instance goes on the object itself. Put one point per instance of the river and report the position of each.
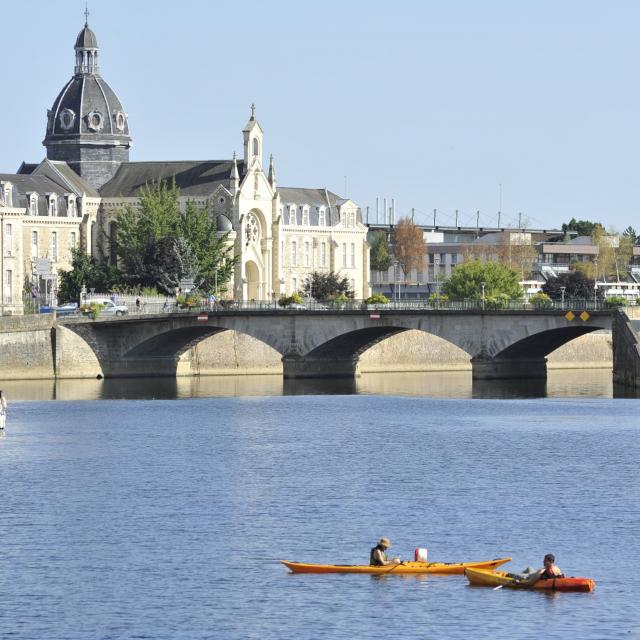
(166, 518)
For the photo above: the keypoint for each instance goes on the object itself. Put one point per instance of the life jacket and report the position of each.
(550, 573)
(373, 556)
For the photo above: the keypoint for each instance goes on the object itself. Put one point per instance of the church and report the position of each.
(72, 198)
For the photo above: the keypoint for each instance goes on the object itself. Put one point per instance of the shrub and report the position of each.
(500, 301)
(541, 301)
(287, 301)
(438, 297)
(188, 300)
(92, 309)
(377, 298)
(615, 301)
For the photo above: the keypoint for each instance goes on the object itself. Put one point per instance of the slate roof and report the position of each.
(193, 178)
(87, 39)
(60, 173)
(25, 184)
(314, 199)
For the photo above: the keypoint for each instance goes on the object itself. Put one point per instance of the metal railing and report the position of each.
(253, 306)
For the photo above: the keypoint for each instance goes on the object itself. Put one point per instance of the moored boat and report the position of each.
(488, 578)
(403, 568)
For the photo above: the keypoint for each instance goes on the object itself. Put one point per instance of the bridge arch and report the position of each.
(340, 355)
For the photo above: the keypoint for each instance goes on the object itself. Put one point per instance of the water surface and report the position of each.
(166, 519)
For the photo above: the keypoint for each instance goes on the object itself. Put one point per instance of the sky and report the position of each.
(525, 107)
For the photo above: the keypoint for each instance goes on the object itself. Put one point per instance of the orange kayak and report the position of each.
(404, 568)
(484, 578)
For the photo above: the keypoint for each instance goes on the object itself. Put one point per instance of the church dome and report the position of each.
(86, 39)
(87, 125)
(87, 105)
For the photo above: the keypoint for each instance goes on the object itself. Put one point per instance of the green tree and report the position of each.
(379, 256)
(582, 227)
(211, 250)
(192, 244)
(576, 285)
(326, 286)
(85, 270)
(630, 233)
(467, 278)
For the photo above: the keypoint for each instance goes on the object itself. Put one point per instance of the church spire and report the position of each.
(234, 177)
(86, 48)
(272, 173)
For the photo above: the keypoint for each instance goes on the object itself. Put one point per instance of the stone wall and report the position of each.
(25, 347)
(626, 356)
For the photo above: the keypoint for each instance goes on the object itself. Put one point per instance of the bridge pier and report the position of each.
(295, 366)
(508, 368)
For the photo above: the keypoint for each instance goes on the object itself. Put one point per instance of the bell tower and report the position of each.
(253, 135)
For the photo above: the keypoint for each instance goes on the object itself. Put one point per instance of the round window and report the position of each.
(67, 118)
(94, 120)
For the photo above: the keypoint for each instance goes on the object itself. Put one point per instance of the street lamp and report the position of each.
(562, 290)
(483, 285)
(436, 262)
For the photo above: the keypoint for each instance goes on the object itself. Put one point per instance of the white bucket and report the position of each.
(421, 555)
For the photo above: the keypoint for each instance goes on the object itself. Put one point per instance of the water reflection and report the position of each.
(567, 383)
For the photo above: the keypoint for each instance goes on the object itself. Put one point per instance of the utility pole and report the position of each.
(456, 217)
(434, 217)
(413, 213)
(520, 220)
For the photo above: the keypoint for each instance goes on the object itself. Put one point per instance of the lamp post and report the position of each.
(595, 283)
(436, 262)
(483, 285)
(562, 290)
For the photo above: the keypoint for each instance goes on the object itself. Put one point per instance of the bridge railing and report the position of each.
(473, 306)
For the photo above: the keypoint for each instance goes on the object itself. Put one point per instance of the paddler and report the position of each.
(548, 572)
(378, 557)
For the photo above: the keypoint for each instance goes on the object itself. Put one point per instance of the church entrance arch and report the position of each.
(252, 274)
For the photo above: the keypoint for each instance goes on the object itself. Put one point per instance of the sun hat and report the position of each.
(384, 542)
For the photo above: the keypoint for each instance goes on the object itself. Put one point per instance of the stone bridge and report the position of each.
(501, 344)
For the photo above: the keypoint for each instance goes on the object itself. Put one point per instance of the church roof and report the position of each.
(26, 184)
(314, 199)
(86, 39)
(193, 177)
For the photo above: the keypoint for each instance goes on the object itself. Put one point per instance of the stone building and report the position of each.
(72, 199)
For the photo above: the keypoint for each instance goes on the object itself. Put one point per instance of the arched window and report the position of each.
(322, 221)
(305, 216)
(53, 205)
(256, 147)
(292, 215)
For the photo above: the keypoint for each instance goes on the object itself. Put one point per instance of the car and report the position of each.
(69, 309)
(109, 307)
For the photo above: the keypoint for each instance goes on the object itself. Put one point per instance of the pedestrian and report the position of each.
(138, 305)
(3, 410)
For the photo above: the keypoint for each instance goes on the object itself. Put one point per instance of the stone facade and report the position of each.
(73, 197)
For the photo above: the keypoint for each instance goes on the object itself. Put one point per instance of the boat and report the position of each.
(402, 568)
(487, 578)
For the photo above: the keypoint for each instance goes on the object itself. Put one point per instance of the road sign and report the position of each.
(203, 317)
(569, 315)
(374, 316)
(584, 316)
(43, 266)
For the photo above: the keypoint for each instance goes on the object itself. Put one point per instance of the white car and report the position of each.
(109, 307)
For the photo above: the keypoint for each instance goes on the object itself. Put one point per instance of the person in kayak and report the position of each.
(548, 572)
(378, 557)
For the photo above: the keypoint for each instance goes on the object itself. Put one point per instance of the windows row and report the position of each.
(301, 254)
(301, 216)
(52, 253)
(53, 204)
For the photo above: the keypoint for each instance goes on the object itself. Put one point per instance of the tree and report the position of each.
(85, 270)
(582, 227)
(408, 244)
(156, 225)
(630, 232)
(467, 278)
(576, 285)
(326, 286)
(379, 257)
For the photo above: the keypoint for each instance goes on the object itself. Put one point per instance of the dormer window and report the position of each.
(6, 194)
(53, 205)
(33, 205)
(305, 216)
(71, 206)
(322, 221)
(292, 215)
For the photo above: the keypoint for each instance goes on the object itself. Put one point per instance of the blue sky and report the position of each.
(434, 103)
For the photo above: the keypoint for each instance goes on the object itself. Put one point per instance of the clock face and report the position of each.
(251, 229)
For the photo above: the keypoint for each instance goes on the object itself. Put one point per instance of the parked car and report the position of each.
(69, 309)
(109, 307)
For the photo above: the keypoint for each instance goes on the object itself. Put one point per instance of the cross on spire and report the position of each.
(86, 14)
(253, 111)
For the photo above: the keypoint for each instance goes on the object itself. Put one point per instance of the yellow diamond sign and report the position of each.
(569, 315)
(584, 316)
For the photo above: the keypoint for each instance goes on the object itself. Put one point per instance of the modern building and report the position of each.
(72, 198)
